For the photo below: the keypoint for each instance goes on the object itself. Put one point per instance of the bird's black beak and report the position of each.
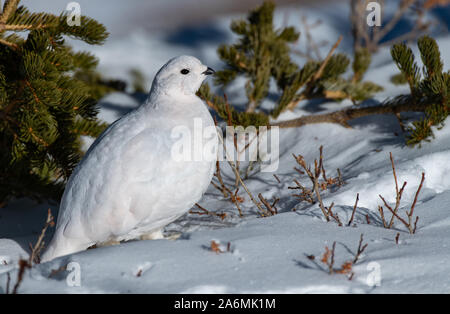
(209, 71)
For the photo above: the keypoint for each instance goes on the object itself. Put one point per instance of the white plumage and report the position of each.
(128, 184)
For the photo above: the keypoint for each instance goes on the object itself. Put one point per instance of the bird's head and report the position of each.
(183, 74)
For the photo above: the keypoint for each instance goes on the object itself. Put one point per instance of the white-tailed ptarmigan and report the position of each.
(128, 185)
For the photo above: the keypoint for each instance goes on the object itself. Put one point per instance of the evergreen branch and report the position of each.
(36, 98)
(9, 44)
(361, 63)
(260, 56)
(37, 138)
(91, 31)
(9, 7)
(22, 20)
(327, 59)
(25, 27)
(6, 110)
(48, 97)
(431, 57)
(13, 38)
(404, 58)
(91, 128)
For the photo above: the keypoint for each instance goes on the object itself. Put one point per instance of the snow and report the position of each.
(269, 255)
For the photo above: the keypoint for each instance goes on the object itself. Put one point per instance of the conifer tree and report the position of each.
(429, 89)
(48, 97)
(262, 54)
(429, 94)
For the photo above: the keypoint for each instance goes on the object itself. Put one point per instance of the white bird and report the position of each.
(128, 185)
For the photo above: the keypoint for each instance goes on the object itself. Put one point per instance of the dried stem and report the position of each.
(398, 192)
(315, 181)
(227, 193)
(328, 258)
(222, 188)
(354, 210)
(397, 237)
(314, 176)
(23, 265)
(235, 199)
(37, 248)
(340, 180)
(360, 250)
(410, 223)
(276, 177)
(269, 207)
(333, 215)
(306, 195)
(204, 211)
(381, 211)
(412, 229)
(238, 177)
(327, 59)
(34, 255)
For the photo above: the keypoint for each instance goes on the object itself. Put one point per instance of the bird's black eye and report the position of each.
(184, 71)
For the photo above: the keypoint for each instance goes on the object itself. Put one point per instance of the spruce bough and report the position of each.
(48, 96)
(262, 55)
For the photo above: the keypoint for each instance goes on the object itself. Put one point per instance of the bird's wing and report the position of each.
(98, 199)
(144, 156)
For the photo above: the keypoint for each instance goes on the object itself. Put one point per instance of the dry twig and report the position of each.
(276, 177)
(333, 215)
(328, 258)
(360, 249)
(23, 265)
(37, 248)
(410, 222)
(354, 210)
(270, 208)
(262, 212)
(226, 192)
(317, 185)
(204, 211)
(34, 256)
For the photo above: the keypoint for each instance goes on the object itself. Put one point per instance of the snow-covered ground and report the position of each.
(268, 255)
